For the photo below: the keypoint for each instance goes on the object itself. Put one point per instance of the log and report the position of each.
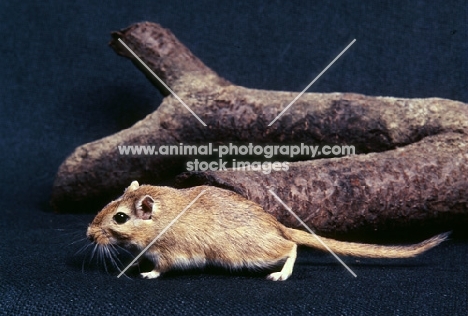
(97, 171)
(422, 183)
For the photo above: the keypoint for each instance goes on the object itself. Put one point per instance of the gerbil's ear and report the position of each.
(133, 186)
(144, 207)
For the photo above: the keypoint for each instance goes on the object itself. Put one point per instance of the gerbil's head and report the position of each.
(125, 221)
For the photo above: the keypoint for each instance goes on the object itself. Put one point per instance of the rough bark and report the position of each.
(96, 171)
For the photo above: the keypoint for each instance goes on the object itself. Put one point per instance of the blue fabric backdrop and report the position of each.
(62, 86)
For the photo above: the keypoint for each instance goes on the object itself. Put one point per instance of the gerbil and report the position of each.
(220, 228)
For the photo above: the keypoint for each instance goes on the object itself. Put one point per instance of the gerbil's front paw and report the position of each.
(150, 275)
(278, 276)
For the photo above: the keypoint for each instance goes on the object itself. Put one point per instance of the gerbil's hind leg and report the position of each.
(150, 275)
(287, 269)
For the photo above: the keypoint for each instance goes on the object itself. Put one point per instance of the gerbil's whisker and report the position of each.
(69, 233)
(119, 264)
(123, 249)
(110, 256)
(113, 254)
(82, 266)
(93, 253)
(77, 241)
(82, 249)
(102, 255)
(91, 257)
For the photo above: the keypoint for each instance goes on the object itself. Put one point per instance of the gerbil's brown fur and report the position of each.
(220, 228)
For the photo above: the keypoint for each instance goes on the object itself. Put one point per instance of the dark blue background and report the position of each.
(62, 86)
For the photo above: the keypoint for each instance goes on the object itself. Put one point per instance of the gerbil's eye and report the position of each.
(121, 218)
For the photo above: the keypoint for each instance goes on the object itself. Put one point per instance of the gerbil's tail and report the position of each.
(362, 250)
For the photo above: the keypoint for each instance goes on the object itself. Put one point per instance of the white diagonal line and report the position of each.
(161, 233)
(312, 232)
(162, 82)
(313, 81)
